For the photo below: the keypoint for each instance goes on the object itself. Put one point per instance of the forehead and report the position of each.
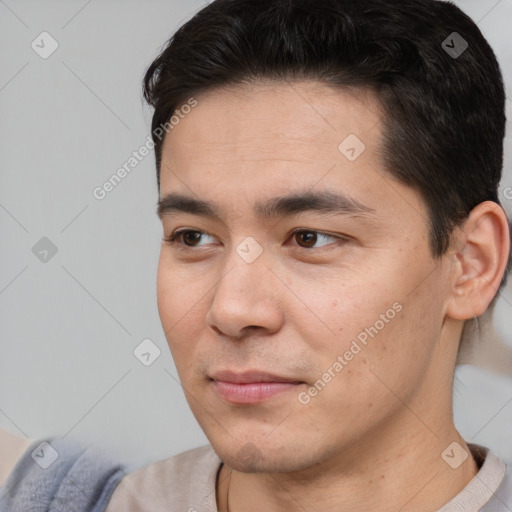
(288, 120)
(247, 143)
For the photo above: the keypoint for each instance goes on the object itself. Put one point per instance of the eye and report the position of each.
(310, 237)
(189, 237)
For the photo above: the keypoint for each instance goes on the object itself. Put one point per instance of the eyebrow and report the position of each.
(323, 201)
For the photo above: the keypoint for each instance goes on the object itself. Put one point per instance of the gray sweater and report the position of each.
(60, 476)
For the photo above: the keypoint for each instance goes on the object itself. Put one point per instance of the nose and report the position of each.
(245, 300)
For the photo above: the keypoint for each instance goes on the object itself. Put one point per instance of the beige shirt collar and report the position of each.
(187, 483)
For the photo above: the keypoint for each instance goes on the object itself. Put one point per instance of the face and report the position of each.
(295, 324)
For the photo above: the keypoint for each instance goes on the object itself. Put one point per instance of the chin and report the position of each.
(255, 457)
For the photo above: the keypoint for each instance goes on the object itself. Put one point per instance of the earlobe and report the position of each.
(482, 254)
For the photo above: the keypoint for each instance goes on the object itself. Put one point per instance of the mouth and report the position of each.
(251, 387)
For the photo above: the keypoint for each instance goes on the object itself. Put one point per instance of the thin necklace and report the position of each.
(229, 487)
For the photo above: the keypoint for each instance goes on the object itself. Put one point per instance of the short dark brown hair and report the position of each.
(444, 112)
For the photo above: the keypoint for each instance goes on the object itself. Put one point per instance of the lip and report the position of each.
(251, 387)
(250, 377)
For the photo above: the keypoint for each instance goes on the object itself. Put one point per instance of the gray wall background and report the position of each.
(69, 325)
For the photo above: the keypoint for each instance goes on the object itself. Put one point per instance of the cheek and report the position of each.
(381, 355)
(333, 312)
(355, 328)
(179, 305)
(166, 299)
(177, 290)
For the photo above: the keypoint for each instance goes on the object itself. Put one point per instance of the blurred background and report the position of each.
(78, 267)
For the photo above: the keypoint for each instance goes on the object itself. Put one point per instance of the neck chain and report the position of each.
(229, 487)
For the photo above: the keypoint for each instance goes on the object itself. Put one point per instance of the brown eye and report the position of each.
(191, 236)
(186, 238)
(307, 239)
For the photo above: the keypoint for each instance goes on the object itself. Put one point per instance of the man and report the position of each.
(328, 180)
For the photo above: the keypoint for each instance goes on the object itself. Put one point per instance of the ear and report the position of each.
(481, 249)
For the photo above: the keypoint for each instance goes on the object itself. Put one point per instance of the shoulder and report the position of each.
(53, 472)
(502, 497)
(185, 482)
(491, 488)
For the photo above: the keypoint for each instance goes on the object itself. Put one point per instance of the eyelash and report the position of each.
(173, 238)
